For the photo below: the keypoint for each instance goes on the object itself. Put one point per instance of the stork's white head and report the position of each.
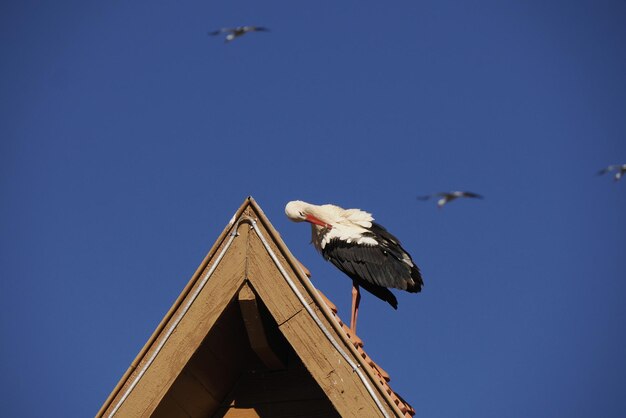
(299, 211)
(295, 210)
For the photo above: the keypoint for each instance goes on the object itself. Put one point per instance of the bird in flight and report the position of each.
(446, 197)
(365, 251)
(620, 170)
(238, 31)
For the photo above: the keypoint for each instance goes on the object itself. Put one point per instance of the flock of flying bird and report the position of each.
(361, 248)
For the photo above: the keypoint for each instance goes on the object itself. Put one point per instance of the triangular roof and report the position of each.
(248, 312)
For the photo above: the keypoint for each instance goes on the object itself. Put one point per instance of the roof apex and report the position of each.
(256, 255)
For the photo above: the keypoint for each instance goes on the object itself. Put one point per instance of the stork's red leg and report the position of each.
(356, 298)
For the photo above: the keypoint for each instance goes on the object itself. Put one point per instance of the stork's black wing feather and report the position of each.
(376, 267)
(350, 269)
(392, 244)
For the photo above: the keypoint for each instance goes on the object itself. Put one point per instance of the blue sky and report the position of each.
(129, 137)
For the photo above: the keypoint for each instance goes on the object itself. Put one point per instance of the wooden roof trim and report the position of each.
(170, 313)
(384, 390)
(383, 376)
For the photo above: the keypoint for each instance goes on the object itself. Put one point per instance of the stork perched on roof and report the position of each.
(446, 197)
(361, 248)
(620, 170)
(238, 31)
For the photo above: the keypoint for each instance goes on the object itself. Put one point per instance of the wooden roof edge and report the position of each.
(174, 307)
(326, 310)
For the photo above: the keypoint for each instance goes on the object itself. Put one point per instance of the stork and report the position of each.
(362, 249)
(620, 170)
(446, 197)
(238, 31)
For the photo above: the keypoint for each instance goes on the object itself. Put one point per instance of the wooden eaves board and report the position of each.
(246, 259)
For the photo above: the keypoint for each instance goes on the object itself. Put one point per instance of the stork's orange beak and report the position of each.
(314, 220)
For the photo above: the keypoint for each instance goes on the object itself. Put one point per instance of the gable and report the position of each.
(204, 359)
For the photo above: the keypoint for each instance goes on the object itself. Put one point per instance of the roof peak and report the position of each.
(256, 257)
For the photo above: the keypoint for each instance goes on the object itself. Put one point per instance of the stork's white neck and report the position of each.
(330, 222)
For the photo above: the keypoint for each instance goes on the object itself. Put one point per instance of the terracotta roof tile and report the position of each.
(384, 377)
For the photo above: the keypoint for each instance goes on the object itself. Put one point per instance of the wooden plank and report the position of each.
(255, 329)
(268, 280)
(186, 338)
(242, 413)
(332, 373)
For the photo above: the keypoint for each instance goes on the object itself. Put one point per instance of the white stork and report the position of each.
(361, 248)
(446, 197)
(238, 31)
(620, 170)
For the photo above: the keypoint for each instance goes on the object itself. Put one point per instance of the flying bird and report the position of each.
(238, 31)
(446, 197)
(362, 249)
(620, 171)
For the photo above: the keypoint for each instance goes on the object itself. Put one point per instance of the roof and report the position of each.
(250, 312)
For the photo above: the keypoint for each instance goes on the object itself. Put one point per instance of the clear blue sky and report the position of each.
(128, 138)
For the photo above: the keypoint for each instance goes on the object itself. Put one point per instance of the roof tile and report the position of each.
(384, 380)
